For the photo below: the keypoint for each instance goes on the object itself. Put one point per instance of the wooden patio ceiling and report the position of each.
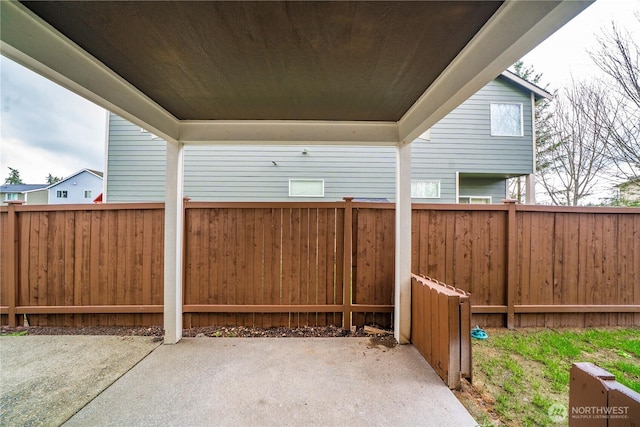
(354, 60)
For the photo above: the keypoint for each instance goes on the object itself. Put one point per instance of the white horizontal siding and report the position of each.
(136, 164)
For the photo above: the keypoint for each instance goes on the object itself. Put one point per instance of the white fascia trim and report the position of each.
(31, 42)
(288, 132)
(515, 29)
(538, 91)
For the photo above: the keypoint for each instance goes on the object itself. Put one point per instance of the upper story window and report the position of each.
(425, 189)
(61, 194)
(506, 120)
(87, 194)
(11, 196)
(306, 188)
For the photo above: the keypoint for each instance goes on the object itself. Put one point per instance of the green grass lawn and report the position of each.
(519, 374)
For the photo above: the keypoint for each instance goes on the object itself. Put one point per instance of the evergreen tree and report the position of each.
(14, 177)
(53, 179)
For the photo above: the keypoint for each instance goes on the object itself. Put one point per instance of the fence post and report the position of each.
(185, 202)
(511, 261)
(346, 274)
(13, 250)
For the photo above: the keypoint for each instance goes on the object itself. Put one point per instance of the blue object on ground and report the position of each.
(479, 334)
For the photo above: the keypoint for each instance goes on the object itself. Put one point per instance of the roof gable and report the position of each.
(90, 171)
(525, 85)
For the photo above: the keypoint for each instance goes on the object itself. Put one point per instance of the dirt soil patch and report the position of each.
(212, 331)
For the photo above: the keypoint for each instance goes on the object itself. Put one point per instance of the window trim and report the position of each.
(315, 180)
(489, 198)
(521, 105)
(436, 181)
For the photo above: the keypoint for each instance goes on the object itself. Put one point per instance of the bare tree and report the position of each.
(516, 187)
(575, 156)
(618, 56)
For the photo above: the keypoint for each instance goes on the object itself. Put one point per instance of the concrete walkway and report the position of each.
(273, 382)
(44, 380)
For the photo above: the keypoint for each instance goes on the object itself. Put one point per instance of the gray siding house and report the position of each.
(465, 158)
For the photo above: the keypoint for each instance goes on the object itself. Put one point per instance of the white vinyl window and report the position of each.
(506, 120)
(11, 196)
(425, 189)
(61, 194)
(475, 200)
(87, 194)
(306, 188)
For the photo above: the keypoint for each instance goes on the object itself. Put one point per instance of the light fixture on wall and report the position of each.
(305, 151)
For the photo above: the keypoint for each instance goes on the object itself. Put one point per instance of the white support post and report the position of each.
(402, 310)
(173, 238)
(530, 189)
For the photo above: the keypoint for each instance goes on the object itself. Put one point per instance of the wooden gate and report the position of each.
(441, 328)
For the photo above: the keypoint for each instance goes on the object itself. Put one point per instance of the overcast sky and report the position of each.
(47, 129)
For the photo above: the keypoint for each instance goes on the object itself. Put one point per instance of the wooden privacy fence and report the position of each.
(80, 265)
(283, 264)
(289, 264)
(262, 264)
(534, 265)
(441, 328)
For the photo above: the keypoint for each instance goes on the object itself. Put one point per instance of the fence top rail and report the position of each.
(525, 208)
(577, 209)
(457, 207)
(264, 205)
(374, 205)
(85, 207)
(439, 286)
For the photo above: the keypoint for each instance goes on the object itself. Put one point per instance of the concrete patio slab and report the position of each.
(44, 380)
(277, 382)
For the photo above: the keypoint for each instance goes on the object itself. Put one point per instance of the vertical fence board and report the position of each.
(304, 259)
(5, 262)
(609, 264)
(634, 278)
(323, 292)
(24, 296)
(276, 263)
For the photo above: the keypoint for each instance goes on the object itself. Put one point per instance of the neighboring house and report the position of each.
(31, 194)
(465, 158)
(81, 187)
